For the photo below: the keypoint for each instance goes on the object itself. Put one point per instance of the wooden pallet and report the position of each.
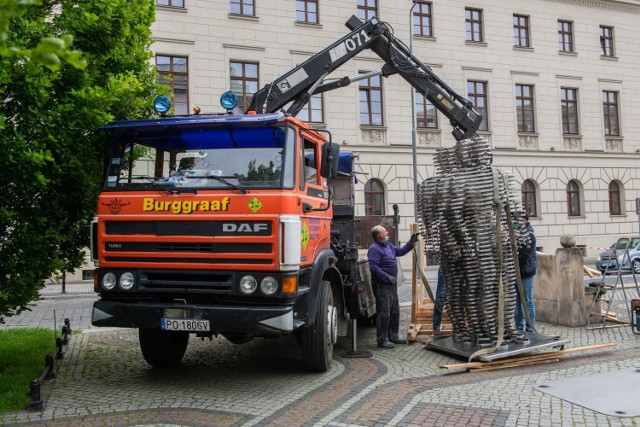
(421, 327)
(524, 360)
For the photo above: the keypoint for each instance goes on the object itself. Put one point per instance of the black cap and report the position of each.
(524, 215)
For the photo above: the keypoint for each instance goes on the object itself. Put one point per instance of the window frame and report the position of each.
(306, 12)
(243, 99)
(172, 73)
(522, 109)
(422, 103)
(169, 3)
(521, 31)
(365, 9)
(565, 45)
(607, 108)
(421, 16)
(529, 192)
(615, 199)
(471, 22)
(309, 110)
(370, 195)
(242, 5)
(607, 46)
(573, 199)
(569, 128)
(475, 96)
(367, 88)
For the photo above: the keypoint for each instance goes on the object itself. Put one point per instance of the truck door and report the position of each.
(314, 194)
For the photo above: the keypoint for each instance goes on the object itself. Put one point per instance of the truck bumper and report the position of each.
(147, 315)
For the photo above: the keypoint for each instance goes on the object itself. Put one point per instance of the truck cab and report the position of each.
(218, 224)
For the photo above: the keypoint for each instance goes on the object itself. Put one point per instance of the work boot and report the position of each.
(386, 344)
(394, 338)
(436, 330)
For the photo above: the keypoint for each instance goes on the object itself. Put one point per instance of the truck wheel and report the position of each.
(162, 348)
(317, 340)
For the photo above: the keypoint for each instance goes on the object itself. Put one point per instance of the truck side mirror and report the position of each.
(329, 160)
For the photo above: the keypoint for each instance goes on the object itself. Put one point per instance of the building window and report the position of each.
(243, 7)
(524, 108)
(312, 111)
(521, 31)
(373, 197)
(610, 113)
(529, 198)
(426, 114)
(367, 9)
(371, 101)
(565, 36)
(477, 93)
(573, 198)
(422, 24)
(569, 110)
(606, 41)
(173, 72)
(614, 198)
(244, 82)
(307, 11)
(170, 3)
(473, 21)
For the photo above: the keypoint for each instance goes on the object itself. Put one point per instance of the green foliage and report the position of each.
(261, 173)
(22, 355)
(50, 152)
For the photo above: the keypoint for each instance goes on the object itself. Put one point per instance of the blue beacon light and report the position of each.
(228, 100)
(162, 104)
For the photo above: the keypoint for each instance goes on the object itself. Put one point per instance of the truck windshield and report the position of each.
(238, 158)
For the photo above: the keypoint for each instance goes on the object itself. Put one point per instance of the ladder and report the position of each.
(603, 289)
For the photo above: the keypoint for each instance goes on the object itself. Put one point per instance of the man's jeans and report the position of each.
(527, 287)
(437, 314)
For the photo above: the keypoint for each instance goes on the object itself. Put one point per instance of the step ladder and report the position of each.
(605, 293)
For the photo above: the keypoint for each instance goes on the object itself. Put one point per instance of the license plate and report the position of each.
(191, 325)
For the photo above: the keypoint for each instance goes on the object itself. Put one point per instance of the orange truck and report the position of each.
(242, 225)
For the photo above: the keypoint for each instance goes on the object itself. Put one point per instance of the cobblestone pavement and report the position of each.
(103, 380)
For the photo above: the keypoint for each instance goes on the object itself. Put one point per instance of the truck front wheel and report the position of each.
(317, 340)
(161, 348)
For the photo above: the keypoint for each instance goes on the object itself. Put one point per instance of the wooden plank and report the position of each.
(528, 359)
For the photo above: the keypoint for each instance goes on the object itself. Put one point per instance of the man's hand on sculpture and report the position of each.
(414, 238)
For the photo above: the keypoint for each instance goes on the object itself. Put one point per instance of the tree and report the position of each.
(50, 149)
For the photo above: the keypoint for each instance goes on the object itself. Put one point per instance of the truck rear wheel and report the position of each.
(161, 348)
(317, 340)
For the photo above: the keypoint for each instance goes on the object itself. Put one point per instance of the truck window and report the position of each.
(209, 158)
(309, 165)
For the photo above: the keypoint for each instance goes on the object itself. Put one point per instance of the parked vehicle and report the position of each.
(615, 258)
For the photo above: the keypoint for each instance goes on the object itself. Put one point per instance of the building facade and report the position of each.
(556, 81)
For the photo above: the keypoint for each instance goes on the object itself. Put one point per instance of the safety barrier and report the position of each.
(36, 403)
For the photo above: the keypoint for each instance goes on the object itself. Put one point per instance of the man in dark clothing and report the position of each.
(384, 272)
(528, 264)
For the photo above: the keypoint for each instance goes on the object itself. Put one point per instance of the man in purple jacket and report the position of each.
(384, 272)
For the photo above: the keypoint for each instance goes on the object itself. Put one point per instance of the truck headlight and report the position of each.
(248, 284)
(269, 285)
(109, 281)
(127, 280)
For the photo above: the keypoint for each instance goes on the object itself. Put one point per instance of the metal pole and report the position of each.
(414, 146)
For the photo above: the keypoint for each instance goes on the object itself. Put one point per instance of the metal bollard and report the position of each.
(49, 367)
(34, 394)
(65, 335)
(60, 351)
